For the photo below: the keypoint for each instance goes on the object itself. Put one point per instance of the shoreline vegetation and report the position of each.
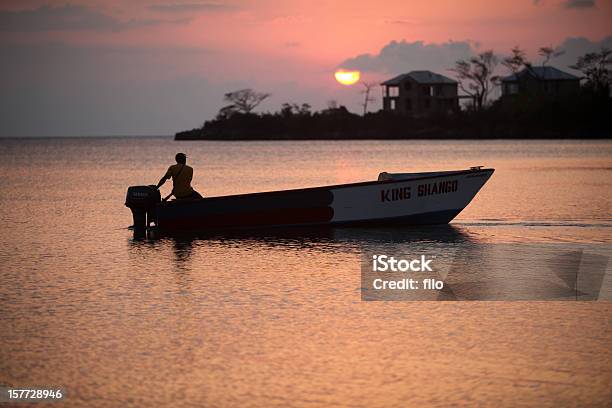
(583, 117)
(533, 105)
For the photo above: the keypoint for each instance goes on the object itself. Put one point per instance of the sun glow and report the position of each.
(347, 77)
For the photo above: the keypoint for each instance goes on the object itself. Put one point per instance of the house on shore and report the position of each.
(420, 93)
(546, 80)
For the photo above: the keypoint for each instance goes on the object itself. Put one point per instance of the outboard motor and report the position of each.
(142, 200)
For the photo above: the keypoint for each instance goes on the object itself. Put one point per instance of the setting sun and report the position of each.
(347, 77)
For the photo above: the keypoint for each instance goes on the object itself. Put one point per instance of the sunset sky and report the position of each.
(151, 67)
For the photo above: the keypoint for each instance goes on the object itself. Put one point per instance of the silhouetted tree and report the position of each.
(287, 109)
(594, 66)
(547, 53)
(305, 109)
(226, 112)
(516, 61)
(366, 95)
(291, 109)
(332, 104)
(245, 100)
(476, 76)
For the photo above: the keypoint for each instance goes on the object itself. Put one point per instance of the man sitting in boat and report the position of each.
(181, 175)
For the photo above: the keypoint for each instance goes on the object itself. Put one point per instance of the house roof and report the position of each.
(422, 77)
(543, 73)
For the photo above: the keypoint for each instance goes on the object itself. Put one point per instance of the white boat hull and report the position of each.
(432, 196)
(411, 198)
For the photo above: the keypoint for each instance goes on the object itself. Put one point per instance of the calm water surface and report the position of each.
(276, 319)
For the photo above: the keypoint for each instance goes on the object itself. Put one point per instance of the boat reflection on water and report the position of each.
(354, 238)
(469, 268)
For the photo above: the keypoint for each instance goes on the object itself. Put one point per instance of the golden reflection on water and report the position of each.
(276, 319)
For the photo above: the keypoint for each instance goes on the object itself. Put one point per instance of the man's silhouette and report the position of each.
(181, 175)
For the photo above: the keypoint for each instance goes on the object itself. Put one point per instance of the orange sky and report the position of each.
(290, 48)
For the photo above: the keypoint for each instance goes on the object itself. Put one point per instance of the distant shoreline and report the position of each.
(487, 131)
(288, 138)
(173, 138)
(511, 119)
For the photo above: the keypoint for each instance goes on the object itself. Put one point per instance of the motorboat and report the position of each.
(393, 199)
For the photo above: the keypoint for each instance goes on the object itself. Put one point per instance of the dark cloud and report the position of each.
(579, 4)
(187, 7)
(398, 57)
(68, 17)
(574, 47)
